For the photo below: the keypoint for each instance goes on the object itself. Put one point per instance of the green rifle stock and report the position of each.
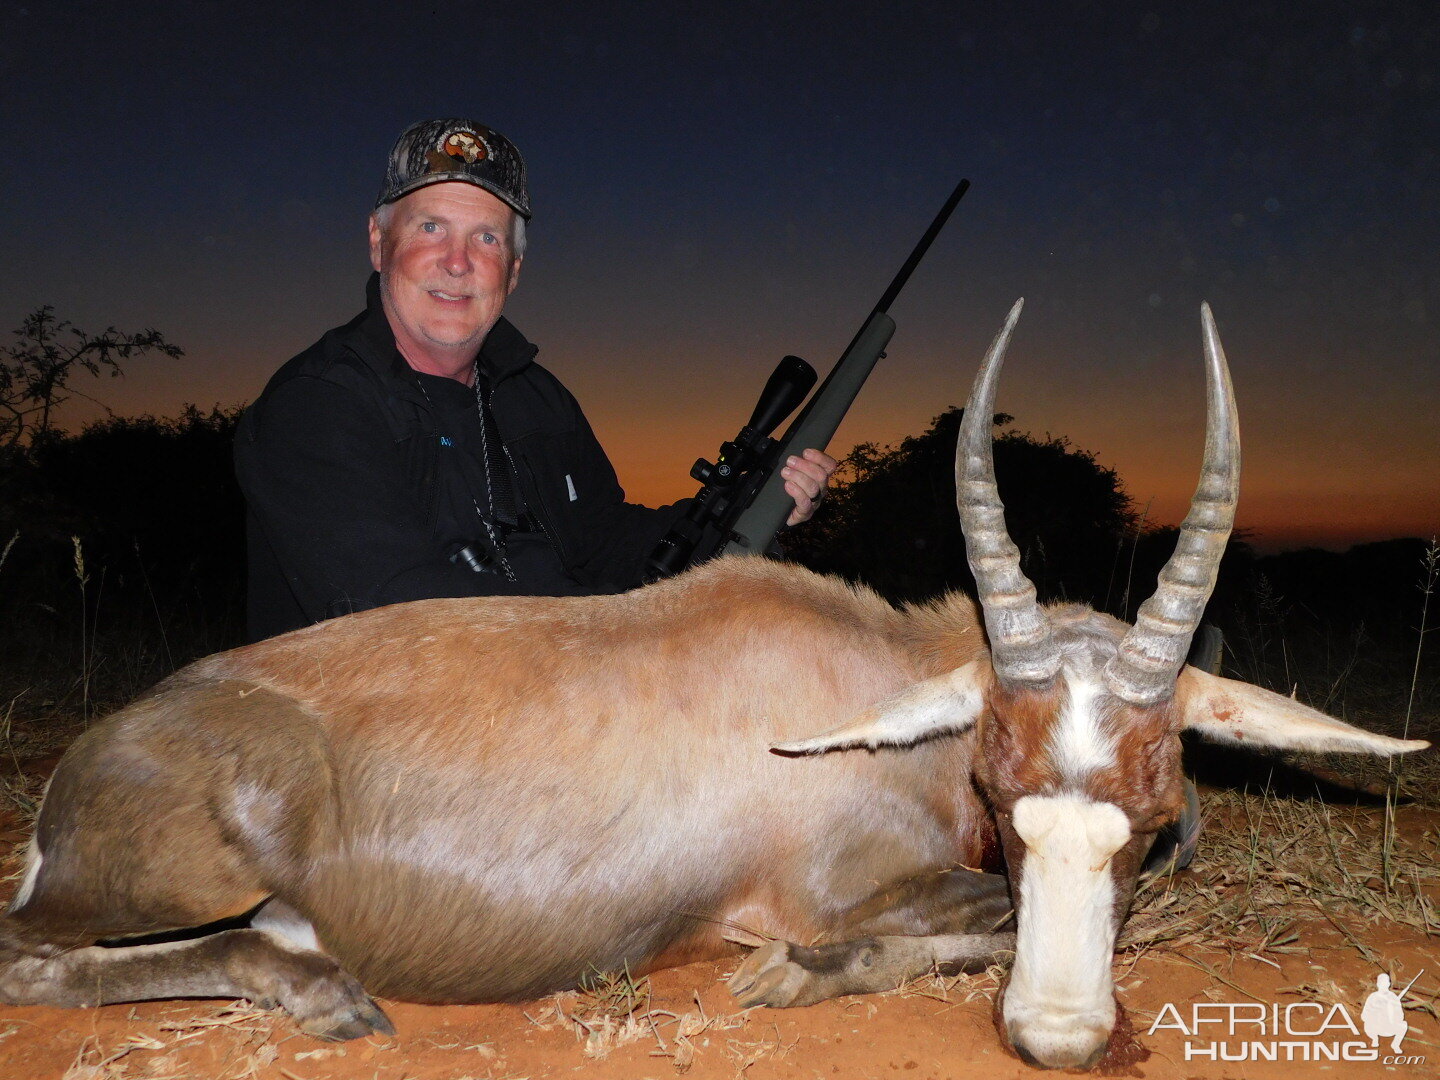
(757, 524)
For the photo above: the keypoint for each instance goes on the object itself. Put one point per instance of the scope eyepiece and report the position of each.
(669, 557)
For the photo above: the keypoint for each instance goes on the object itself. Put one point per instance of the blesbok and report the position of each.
(489, 799)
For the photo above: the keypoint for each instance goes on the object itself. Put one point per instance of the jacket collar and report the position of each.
(504, 352)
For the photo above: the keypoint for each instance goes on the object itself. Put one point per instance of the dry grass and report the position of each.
(613, 1010)
(159, 1051)
(960, 989)
(1271, 871)
(20, 794)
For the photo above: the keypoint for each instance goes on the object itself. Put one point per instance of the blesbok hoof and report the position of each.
(24, 980)
(769, 977)
(323, 999)
(782, 974)
(338, 1008)
(354, 1020)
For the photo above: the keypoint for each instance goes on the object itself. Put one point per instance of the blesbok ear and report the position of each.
(949, 702)
(1225, 710)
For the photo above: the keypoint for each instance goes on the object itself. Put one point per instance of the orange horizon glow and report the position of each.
(1351, 464)
(1297, 491)
(1269, 526)
(697, 220)
(1270, 520)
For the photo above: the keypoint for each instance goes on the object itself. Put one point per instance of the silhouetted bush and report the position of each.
(128, 553)
(161, 489)
(890, 520)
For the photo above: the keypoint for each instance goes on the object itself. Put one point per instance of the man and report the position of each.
(419, 451)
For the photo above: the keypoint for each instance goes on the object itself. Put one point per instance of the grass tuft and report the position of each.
(613, 1009)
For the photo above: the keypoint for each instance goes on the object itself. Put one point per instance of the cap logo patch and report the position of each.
(454, 148)
(467, 147)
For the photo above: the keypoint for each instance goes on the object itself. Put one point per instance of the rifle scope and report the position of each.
(786, 388)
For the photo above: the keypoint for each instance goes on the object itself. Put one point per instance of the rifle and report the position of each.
(742, 502)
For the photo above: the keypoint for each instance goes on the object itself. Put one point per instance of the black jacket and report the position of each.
(357, 497)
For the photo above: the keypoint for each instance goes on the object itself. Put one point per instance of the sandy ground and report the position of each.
(685, 1023)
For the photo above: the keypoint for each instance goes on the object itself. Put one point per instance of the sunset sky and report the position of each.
(718, 185)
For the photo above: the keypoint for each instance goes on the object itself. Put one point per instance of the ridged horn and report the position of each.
(1022, 648)
(1144, 668)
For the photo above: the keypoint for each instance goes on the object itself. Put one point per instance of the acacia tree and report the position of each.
(36, 372)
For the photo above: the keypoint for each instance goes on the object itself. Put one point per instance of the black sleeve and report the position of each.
(605, 540)
(326, 485)
(625, 533)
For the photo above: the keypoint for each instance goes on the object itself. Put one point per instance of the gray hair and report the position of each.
(385, 212)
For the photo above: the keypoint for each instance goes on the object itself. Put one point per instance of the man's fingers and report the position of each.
(804, 503)
(826, 463)
(800, 482)
(815, 466)
(806, 477)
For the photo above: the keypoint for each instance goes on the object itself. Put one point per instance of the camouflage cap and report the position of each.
(433, 151)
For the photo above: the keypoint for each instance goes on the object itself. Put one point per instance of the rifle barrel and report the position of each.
(923, 246)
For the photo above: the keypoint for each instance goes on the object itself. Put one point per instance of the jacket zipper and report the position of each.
(539, 510)
(535, 505)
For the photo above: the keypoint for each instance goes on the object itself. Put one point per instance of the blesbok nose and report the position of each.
(1059, 1043)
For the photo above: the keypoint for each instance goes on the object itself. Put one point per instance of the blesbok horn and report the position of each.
(1021, 645)
(1150, 657)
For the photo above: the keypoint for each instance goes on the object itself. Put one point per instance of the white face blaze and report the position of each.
(1079, 744)
(1060, 1005)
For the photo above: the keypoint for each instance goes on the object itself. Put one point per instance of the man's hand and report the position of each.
(805, 480)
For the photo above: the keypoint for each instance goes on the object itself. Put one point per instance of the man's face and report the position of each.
(446, 266)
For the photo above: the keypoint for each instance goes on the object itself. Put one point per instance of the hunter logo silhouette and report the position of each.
(1383, 1015)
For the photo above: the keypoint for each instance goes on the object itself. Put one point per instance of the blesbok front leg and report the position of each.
(324, 999)
(956, 900)
(782, 974)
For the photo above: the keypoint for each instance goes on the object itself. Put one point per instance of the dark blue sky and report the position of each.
(718, 185)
